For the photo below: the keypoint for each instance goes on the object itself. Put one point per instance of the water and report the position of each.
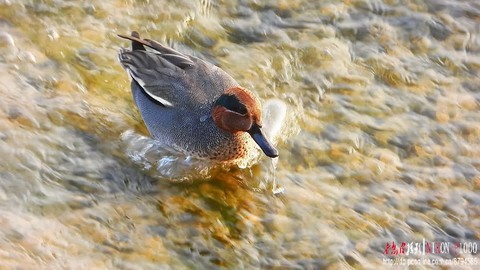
(380, 145)
(275, 189)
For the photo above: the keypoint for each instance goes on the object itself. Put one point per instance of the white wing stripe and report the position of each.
(142, 84)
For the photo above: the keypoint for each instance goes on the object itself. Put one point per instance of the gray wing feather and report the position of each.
(160, 48)
(158, 76)
(173, 78)
(180, 61)
(175, 57)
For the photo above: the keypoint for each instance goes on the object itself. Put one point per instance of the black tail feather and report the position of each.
(137, 46)
(172, 56)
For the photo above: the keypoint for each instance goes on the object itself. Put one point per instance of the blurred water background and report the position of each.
(382, 141)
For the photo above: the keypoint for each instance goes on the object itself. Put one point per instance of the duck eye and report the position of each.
(232, 103)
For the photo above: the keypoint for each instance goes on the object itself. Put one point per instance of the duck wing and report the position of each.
(170, 77)
(153, 73)
(175, 57)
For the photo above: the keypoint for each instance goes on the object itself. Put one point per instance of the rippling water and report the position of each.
(382, 138)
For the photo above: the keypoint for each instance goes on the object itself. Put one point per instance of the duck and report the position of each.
(191, 105)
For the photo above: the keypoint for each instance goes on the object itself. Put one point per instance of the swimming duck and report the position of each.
(192, 106)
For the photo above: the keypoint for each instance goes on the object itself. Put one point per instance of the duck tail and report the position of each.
(137, 42)
(137, 46)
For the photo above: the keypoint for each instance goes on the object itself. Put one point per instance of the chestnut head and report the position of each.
(238, 110)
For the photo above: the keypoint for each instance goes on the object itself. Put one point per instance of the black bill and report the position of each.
(260, 139)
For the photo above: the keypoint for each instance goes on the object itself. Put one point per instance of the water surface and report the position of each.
(382, 137)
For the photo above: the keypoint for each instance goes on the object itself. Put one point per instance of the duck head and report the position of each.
(238, 110)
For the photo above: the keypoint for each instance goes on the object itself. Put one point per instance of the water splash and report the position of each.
(275, 189)
(274, 113)
(163, 162)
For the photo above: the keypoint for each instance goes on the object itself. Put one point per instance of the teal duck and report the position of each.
(193, 106)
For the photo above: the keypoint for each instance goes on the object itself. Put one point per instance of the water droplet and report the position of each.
(276, 190)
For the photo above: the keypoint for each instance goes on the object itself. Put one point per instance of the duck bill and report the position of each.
(262, 141)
